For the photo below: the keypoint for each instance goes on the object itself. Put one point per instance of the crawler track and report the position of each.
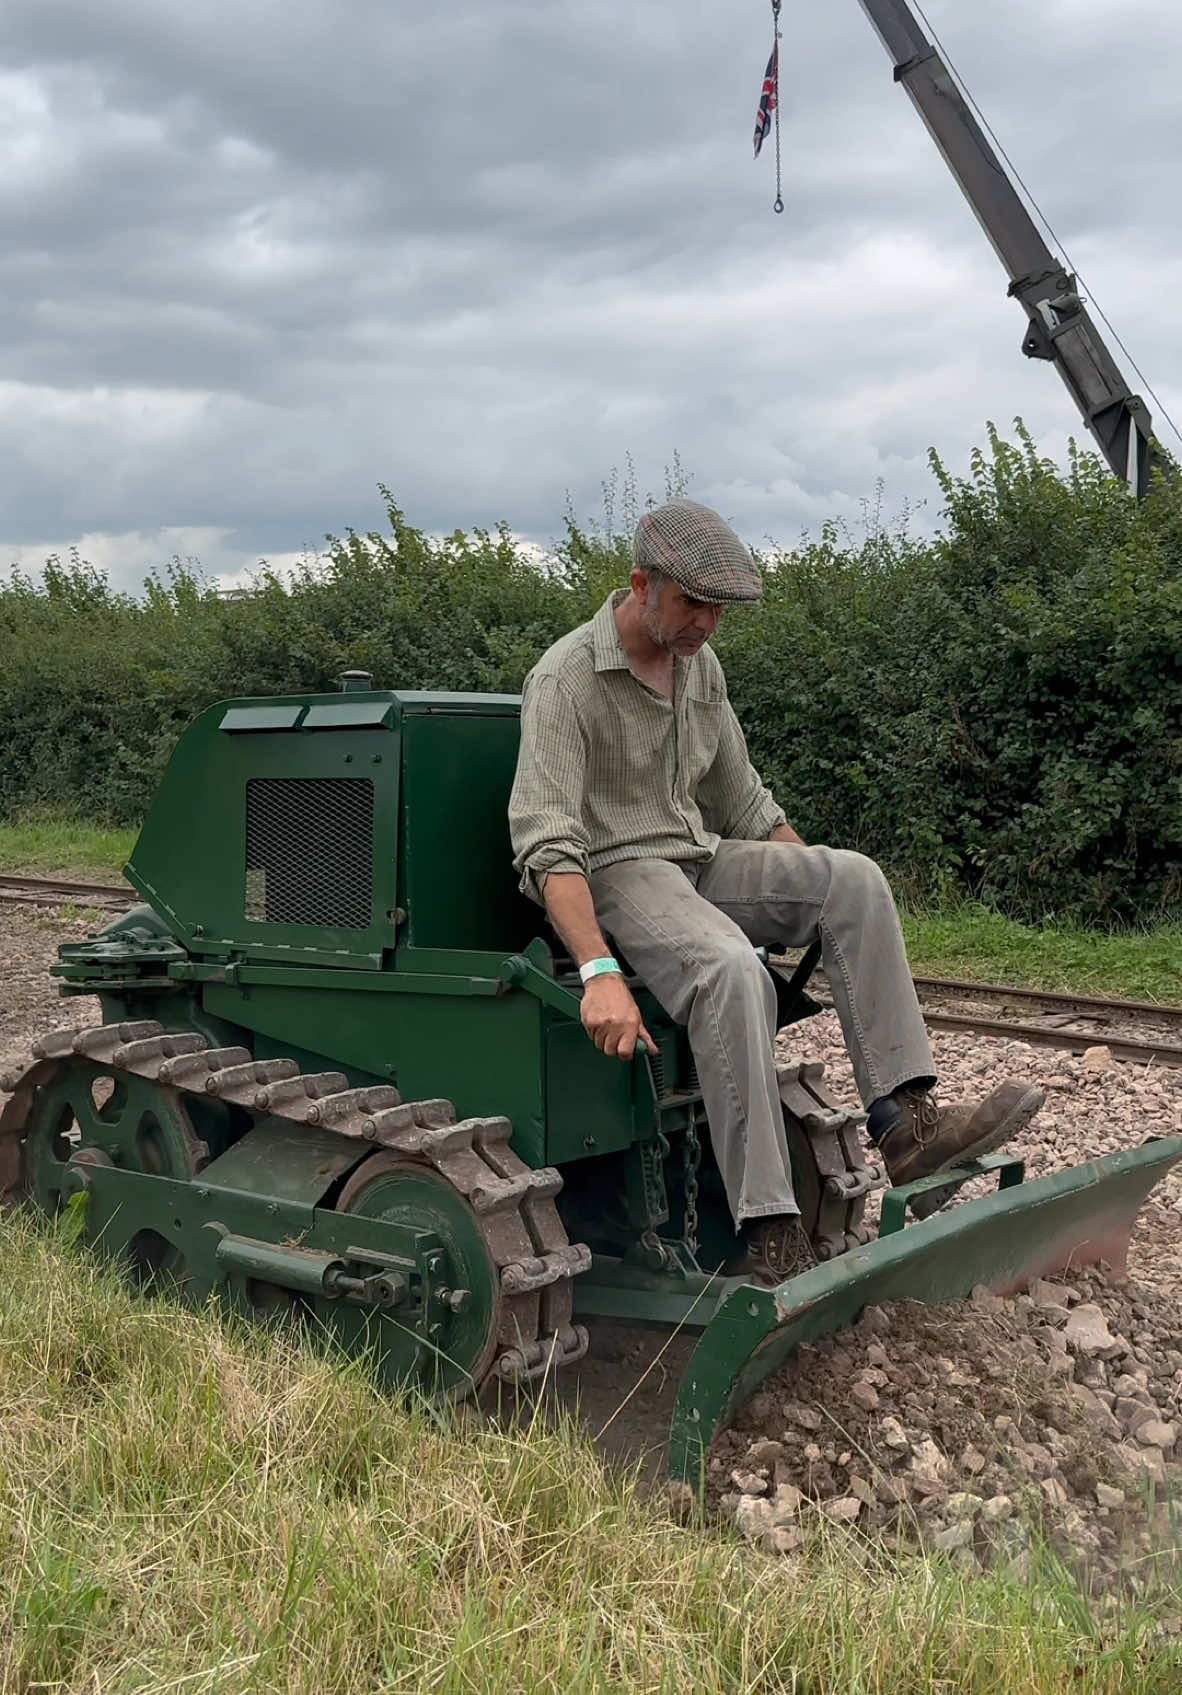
(43, 891)
(514, 1205)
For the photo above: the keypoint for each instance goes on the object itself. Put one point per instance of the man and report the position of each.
(636, 813)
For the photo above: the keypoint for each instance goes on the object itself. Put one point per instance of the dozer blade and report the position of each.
(1071, 1218)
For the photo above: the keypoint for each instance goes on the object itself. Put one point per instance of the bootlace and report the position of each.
(783, 1248)
(927, 1117)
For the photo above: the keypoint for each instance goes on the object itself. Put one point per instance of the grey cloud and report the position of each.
(258, 257)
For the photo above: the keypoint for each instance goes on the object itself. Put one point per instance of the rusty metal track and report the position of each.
(512, 1204)
(1138, 1031)
(1072, 1023)
(1086, 1004)
(1072, 1041)
(43, 891)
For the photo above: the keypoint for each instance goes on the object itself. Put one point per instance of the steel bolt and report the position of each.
(454, 1299)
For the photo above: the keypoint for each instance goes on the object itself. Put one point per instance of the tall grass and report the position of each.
(43, 842)
(966, 940)
(186, 1505)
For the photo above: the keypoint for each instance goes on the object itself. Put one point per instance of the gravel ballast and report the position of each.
(963, 1426)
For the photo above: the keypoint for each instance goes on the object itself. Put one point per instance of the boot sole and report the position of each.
(1016, 1119)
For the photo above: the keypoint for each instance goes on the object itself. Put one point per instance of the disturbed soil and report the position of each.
(961, 1427)
(958, 1428)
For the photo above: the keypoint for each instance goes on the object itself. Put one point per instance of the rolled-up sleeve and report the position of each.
(546, 805)
(734, 802)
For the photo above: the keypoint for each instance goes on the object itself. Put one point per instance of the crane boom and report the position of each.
(1060, 328)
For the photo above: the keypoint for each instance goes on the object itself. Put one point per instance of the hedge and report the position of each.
(997, 711)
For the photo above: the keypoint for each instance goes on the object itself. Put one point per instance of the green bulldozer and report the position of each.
(341, 1078)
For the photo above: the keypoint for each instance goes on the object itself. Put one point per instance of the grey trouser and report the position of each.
(688, 930)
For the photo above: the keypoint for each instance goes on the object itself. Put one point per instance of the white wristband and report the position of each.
(597, 968)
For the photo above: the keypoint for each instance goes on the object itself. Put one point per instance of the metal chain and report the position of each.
(691, 1154)
(661, 1256)
(778, 203)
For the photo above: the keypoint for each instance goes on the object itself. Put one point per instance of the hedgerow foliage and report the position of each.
(997, 712)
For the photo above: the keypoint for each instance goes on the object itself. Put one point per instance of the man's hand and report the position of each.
(611, 1017)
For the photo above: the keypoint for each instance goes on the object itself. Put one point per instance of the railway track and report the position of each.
(42, 891)
(1138, 1031)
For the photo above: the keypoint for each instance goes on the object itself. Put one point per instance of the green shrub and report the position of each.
(997, 712)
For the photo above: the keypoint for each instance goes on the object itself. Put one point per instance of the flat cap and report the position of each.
(699, 550)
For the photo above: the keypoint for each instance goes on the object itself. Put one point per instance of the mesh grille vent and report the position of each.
(309, 851)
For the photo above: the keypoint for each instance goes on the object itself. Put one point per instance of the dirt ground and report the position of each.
(953, 1426)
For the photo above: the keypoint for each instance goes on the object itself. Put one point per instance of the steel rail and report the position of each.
(51, 891)
(1049, 997)
(1072, 1041)
(1140, 1048)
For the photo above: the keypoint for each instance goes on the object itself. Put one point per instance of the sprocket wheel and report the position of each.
(488, 1266)
(446, 1345)
(85, 1112)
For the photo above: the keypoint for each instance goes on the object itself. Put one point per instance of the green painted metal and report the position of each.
(1072, 1217)
(311, 1271)
(190, 861)
(340, 714)
(322, 977)
(616, 1288)
(589, 1098)
(304, 1270)
(484, 1053)
(130, 1124)
(448, 924)
(895, 1202)
(170, 1233)
(446, 1344)
(428, 702)
(330, 880)
(260, 717)
(458, 885)
(286, 1162)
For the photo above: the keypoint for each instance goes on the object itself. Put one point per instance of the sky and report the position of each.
(258, 257)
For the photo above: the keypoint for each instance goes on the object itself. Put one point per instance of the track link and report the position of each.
(514, 1204)
(839, 1180)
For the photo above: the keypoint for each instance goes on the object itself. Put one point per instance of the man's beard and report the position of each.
(652, 629)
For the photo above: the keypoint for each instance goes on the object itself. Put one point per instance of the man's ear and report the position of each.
(640, 587)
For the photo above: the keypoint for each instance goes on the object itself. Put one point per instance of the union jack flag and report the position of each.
(767, 99)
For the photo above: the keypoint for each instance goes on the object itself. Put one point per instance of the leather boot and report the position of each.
(776, 1248)
(929, 1137)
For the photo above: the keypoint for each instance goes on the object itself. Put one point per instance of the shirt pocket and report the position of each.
(631, 747)
(699, 730)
